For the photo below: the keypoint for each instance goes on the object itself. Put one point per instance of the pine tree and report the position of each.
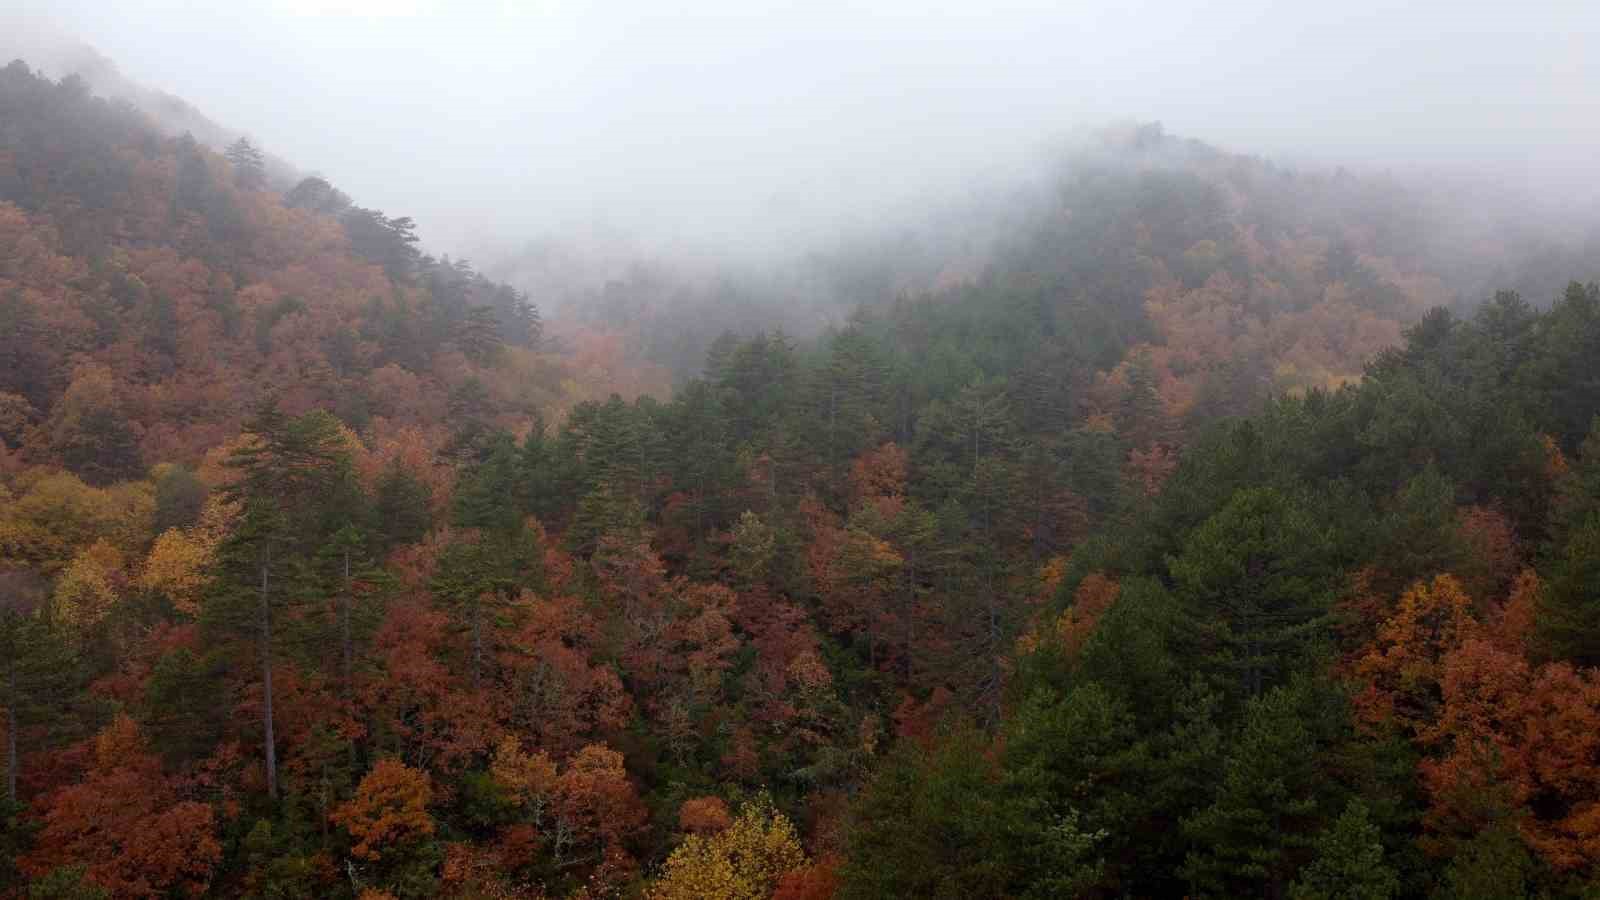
(192, 189)
(1349, 863)
(35, 665)
(1141, 420)
(1258, 578)
(1494, 864)
(316, 194)
(345, 557)
(249, 166)
(292, 477)
(1569, 621)
(400, 508)
(848, 398)
(699, 457)
(1268, 805)
(485, 572)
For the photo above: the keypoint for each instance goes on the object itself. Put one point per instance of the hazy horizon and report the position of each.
(759, 127)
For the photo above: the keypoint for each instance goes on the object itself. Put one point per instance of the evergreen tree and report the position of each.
(345, 562)
(388, 242)
(1495, 863)
(1271, 799)
(483, 573)
(249, 166)
(1561, 375)
(1258, 578)
(1140, 419)
(35, 666)
(1569, 620)
(180, 496)
(847, 402)
(947, 822)
(400, 508)
(181, 712)
(289, 487)
(316, 194)
(193, 188)
(1349, 863)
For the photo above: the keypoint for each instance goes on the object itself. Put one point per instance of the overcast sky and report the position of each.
(748, 122)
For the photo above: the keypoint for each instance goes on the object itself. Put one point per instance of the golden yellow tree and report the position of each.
(55, 515)
(744, 861)
(177, 567)
(87, 589)
(528, 779)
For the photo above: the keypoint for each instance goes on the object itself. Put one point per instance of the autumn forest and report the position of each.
(1215, 529)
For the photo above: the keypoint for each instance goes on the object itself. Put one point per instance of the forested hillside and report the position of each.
(1201, 532)
(1294, 277)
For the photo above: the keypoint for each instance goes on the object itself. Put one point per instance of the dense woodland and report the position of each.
(1208, 539)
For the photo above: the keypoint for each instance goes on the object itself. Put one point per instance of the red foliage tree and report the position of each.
(126, 823)
(555, 692)
(815, 881)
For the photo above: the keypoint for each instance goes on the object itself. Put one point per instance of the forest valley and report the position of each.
(1212, 538)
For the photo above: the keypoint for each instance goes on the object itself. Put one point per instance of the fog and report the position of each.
(744, 126)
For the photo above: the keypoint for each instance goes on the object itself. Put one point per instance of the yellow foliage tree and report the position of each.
(86, 591)
(177, 567)
(744, 861)
(56, 515)
(529, 779)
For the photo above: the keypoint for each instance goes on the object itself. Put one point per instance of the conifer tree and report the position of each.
(1258, 577)
(249, 166)
(288, 487)
(35, 665)
(484, 572)
(1349, 863)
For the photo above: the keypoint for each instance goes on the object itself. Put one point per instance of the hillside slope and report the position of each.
(1177, 541)
(154, 293)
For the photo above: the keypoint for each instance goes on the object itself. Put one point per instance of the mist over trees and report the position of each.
(1081, 222)
(1167, 522)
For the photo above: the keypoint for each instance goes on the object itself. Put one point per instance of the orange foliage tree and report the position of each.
(1402, 668)
(580, 813)
(389, 809)
(703, 815)
(1504, 737)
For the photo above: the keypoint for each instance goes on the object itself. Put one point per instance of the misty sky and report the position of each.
(747, 123)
